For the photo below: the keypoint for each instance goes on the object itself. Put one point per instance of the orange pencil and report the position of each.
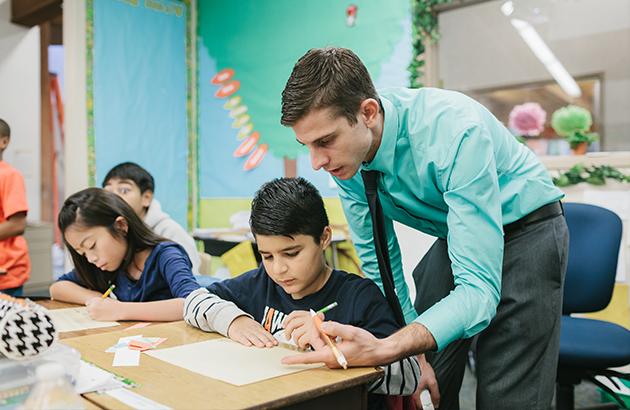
(341, 359)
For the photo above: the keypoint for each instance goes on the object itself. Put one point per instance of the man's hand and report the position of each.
(427, 382)
(248, 332)
(104, 308)
(359, 347)
(300, 327)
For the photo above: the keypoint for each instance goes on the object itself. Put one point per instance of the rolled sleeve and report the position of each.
(475, 240)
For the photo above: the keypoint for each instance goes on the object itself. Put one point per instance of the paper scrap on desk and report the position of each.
(126, 357)
(139, 325)
(146, 343)
(92, 378)
(229, 361)
(122, 343)
(71, 319)
(136, 401)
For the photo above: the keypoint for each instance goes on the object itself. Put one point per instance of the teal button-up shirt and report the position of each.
(452, 170)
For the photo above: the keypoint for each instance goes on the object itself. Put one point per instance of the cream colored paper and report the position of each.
(71, 319)
(229, 361)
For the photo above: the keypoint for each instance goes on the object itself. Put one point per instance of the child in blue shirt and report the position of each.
(271, 303)
(109, 244)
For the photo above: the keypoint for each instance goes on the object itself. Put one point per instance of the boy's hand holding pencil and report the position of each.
(300, 327)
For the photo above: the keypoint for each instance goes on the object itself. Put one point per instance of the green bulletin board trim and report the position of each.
(89, 90)
(193, 172)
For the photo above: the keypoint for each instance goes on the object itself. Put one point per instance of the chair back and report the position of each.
(594, 240)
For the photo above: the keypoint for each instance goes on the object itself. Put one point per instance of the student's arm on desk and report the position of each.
(157, 311)
(210, 313)
(67, 291)
(110, 309)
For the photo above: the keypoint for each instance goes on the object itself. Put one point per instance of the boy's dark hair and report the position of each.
(5, 130)
(288, 206)
(133, 172)
(326, 77)
(97, 207)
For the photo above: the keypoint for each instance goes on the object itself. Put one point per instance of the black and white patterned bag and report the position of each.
(26, 329)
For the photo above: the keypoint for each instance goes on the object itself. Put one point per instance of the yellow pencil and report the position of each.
(341, 359)
(108, 291)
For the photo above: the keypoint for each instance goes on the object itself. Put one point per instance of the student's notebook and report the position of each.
(71, 319)
(231, 362)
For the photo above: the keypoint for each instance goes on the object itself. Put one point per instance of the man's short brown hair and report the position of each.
(5, 130)
(326, 78)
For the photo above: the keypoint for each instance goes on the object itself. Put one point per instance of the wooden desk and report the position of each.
(54, 304)
(179, 388)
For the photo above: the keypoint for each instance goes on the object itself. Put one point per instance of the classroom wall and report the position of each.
(75, 148)
(140, 95)
(261, 41)
(20, 101)
(480, 49)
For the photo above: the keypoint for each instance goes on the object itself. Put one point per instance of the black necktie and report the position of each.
(370, 180)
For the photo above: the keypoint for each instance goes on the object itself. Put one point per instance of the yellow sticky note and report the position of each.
(240, 258)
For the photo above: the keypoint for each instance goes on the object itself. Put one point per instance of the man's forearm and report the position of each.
(411, 340)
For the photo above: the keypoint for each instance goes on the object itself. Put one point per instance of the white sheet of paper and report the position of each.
(135, 401)
(126, 357)
(229, 361)
(92, 378)
(71, 319)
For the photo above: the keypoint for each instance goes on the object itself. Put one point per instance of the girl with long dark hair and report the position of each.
(110, 245)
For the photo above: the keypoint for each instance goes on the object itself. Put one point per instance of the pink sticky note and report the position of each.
(139, 325)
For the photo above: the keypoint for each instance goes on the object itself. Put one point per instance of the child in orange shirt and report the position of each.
(15, 264)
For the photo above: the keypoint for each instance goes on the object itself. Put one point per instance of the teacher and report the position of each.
(441, 163)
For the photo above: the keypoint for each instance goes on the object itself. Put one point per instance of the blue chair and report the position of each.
(589, 347)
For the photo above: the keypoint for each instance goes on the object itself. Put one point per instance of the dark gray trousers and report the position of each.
(517, 354)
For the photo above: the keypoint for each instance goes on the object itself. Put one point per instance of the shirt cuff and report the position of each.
(443, 329)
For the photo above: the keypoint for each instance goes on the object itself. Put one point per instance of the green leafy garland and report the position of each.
(595, 175)
(424, 26)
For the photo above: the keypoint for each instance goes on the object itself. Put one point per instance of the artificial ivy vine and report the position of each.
(424, 26)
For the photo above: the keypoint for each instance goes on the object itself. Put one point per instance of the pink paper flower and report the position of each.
(527, 119)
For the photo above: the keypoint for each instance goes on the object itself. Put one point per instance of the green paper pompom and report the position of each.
(571, 119)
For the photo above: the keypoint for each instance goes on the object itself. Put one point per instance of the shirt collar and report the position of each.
(384, 158)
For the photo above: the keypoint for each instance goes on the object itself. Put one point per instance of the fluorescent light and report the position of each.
(546, 56)
(507, 8)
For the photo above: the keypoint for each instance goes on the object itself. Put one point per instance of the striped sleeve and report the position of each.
(401, 378)
(209, 312)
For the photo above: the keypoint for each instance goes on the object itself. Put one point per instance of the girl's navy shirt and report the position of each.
(167, 274)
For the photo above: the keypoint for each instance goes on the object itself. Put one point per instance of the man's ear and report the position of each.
(368, 111)
(146, 198)
(121, 225)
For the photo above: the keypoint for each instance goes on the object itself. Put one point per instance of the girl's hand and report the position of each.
(248, 332)
(104, 309)
(300, 327)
